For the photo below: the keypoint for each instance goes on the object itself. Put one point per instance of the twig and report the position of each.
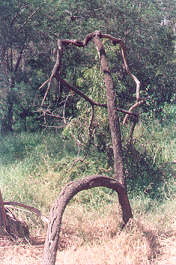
(56, 68)
(29, 17)
(137, 104)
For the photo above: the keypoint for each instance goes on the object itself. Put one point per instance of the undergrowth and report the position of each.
(35, 166)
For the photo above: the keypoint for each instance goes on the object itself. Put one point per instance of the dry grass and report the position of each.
(88, 238)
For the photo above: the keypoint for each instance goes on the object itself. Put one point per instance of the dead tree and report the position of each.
(117, 184)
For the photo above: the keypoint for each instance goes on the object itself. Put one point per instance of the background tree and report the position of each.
(23, 24)
(26, 61)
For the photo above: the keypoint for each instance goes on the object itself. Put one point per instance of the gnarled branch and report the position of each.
(89, 37)
(29, 208)
(56, 213)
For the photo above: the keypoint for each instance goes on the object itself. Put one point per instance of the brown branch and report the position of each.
(29, 208)
(123, 52)
(137, 104)
(79, 92)
(11, 59)
(91, 122)
(89, 37)
(64, 118)
(56, 68)
(56, 213)
(114, 41)
(42, 85)
(93, 103)
(137, 82)
(130, 141)
(19, 57)
(13, 19)
(29, 17)
(3, 218)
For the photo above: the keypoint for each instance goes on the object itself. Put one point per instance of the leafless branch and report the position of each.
(137, 104)
(56, 69)
(29, 17)
(29, 208)
(19, 57)
(46, 82)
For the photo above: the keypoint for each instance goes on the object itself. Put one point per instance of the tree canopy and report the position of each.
(28, 34)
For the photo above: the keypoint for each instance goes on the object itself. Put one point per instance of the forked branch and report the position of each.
(56, 69)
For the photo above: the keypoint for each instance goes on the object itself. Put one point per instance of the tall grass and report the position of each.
(35, 166)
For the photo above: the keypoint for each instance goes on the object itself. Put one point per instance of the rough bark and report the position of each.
(70, 190)
(114, 128)
(11, 225)
(3, 218)
(52, 238)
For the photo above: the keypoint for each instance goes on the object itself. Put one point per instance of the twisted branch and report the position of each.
(56, 68)
(68, 192)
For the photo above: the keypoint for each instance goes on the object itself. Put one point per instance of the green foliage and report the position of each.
(46, 161)
(35, 164)
(150, 160)
(30, 29)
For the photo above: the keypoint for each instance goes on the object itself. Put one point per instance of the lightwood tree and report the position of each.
(118, 182)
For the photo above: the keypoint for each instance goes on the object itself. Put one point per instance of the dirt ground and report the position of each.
(24, 253)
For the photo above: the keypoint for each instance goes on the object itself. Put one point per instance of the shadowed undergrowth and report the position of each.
(35, 166)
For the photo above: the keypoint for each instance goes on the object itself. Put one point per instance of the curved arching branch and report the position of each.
(56, 213)
(29, 208)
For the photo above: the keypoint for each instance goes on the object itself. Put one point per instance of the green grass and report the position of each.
(35, 166)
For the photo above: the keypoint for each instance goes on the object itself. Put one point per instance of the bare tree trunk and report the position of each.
(114, 128)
